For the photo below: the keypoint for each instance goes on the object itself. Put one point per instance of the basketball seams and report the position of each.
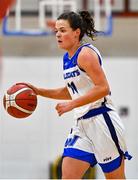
(14, 97)
(11, 100)
(20, 108)
(8, 100)
(20, 91)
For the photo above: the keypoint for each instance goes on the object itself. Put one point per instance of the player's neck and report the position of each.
(73, 49)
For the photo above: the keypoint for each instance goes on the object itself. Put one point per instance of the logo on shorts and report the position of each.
(107, 159)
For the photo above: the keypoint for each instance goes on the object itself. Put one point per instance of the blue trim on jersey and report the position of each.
(68, 63)
(80, 155)
(95, 112)
(89, 46)
(111, 166)
(72, 62)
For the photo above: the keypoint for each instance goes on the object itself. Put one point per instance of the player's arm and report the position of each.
(59, 93)
(89, 62)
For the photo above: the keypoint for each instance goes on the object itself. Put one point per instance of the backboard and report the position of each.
(23, 21)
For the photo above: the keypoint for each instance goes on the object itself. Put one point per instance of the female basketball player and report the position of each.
(98, 133)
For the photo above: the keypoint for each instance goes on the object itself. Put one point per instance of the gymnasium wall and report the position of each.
(122, 43)
(29, 146)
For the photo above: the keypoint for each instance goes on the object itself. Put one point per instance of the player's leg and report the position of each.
(78, 154)
(73, 168)
(119, 173)
(109, 143)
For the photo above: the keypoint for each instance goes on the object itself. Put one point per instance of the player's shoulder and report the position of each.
(88, 52)
(89, 55)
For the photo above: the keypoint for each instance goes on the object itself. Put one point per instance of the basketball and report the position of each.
(20, 101)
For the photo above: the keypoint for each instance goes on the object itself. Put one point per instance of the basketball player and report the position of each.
(97, 136)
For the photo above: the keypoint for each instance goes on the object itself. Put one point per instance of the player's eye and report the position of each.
(63, 30)
(55, 31)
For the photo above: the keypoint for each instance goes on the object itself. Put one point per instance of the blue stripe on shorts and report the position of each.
(81, 155)
(111, 166)
(115, 164)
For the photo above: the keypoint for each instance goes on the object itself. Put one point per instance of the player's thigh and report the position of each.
(73, 168)
(119, 173)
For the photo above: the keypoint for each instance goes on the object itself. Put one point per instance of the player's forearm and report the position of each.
(92, 96)
(60, 93)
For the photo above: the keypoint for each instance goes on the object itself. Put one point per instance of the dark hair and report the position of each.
(81, 20)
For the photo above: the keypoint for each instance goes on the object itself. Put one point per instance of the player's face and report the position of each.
(65, 35)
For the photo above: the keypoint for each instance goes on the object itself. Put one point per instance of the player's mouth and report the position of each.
(59, 41)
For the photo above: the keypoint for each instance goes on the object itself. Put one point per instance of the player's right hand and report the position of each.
(35, 89)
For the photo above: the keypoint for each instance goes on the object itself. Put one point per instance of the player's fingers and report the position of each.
(60, 113)
(20, 83)
(30, 86)
(59, 109)
(24, 83)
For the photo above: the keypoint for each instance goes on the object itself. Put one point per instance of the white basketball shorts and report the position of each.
(98, 139)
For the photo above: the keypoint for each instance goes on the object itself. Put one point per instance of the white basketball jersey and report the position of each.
(79, 83)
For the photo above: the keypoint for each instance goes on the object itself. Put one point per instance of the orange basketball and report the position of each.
(20, 101)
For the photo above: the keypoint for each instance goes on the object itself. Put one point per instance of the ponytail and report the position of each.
(87, 26)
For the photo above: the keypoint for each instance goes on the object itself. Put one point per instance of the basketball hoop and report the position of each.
(48, 11)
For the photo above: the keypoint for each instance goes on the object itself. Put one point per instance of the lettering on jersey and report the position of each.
(71, 74)
(107, 159)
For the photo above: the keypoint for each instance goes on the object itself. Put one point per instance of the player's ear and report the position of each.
(77, 33)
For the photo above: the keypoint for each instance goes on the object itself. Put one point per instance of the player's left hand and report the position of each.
(63, 107)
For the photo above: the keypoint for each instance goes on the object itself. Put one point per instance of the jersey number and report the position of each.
(73, 87)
